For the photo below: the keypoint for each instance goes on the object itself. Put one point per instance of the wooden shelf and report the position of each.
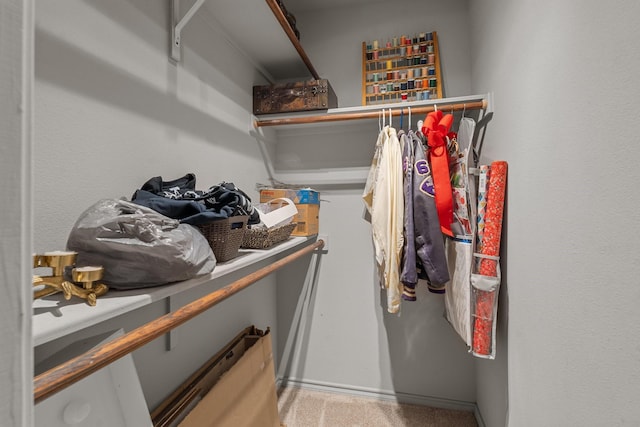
(260, 31)
(369, 112)
(263, 34)
(55, 317)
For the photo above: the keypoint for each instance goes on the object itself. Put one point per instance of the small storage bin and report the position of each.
(263, 238)
(225, 236)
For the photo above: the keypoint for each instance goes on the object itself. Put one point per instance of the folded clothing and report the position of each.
(178, 199)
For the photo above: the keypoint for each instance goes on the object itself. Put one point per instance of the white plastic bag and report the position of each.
(137, 246)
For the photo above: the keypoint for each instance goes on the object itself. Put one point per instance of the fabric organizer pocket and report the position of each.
(484, 309)
(457, 297)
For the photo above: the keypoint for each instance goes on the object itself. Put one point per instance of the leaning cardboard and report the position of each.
(235, 388)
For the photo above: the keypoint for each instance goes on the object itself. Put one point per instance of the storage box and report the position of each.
(308, 203)
(307, 219)
(235, 388)
(306, 95)
(303, 196)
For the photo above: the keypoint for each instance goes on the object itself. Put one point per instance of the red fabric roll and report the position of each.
(483, 325)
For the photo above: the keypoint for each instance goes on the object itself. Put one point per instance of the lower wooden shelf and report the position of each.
(54, 317)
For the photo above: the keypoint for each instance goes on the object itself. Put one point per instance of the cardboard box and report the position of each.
(308, 220)
(235, 388)
(304, 196)
(308, 203)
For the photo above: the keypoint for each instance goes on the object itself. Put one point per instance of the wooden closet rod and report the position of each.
(64, 375)
(277, 11)
(373, 114)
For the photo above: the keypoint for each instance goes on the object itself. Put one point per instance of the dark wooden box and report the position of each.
(295, 96)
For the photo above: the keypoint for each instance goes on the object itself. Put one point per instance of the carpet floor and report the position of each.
(310, 408)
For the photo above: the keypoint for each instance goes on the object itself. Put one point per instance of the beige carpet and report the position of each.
(309, 408)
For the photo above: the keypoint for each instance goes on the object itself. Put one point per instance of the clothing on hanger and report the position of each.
(383, 198)
(429, 242)
(408, 275)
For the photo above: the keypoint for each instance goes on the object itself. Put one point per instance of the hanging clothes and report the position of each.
(383, 197)
(408, 275)
(372, 178)
(431, 262)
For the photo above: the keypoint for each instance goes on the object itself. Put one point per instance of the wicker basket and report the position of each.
(261, 238)
(225, 236)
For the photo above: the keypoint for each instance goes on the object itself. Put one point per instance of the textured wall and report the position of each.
(564, 75)
(351, 341)
(16, 85)
(111, 111)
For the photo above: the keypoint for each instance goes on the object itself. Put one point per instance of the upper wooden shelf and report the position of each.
(258, 29)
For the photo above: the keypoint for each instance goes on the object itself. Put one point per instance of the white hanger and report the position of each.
(409, 118)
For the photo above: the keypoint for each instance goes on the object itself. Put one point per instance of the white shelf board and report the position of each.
(337, 176)
(254, 30)
(55, 317)
(363, 109)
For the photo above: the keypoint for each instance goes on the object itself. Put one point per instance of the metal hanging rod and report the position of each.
(371, 114)
(68, 373)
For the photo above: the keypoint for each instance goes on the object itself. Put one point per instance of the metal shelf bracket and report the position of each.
(178, 24)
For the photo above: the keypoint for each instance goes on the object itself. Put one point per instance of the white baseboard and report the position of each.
(384, 395)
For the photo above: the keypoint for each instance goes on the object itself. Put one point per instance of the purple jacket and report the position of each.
(429, 252)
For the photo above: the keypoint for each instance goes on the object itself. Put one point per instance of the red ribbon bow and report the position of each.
(435, 128)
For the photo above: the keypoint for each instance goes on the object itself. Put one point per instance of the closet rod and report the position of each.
(66, 374)
(282, 20)
(372, 114)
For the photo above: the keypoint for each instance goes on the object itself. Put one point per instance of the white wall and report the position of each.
(564, 75)
(16, 86)
(111, 111)
(333, 36)
(351, 341)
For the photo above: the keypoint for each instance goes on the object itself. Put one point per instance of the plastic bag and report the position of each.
(137, 246)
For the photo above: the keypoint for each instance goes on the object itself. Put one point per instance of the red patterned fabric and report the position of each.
(435, 128)
(483, 325)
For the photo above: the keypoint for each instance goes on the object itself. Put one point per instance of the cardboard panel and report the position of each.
(234, 388)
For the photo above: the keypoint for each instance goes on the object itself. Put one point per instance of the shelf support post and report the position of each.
(177, 25)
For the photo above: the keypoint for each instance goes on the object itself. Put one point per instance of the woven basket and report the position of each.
(225, 236)
(261, 238)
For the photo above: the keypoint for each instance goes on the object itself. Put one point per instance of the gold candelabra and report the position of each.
(87, 277)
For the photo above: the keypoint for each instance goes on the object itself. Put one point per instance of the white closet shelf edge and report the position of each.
(368, 108)
(54, 317)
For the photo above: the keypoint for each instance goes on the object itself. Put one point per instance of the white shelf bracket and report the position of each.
(177, 25)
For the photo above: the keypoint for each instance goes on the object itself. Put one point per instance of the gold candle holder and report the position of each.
(88, 277)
